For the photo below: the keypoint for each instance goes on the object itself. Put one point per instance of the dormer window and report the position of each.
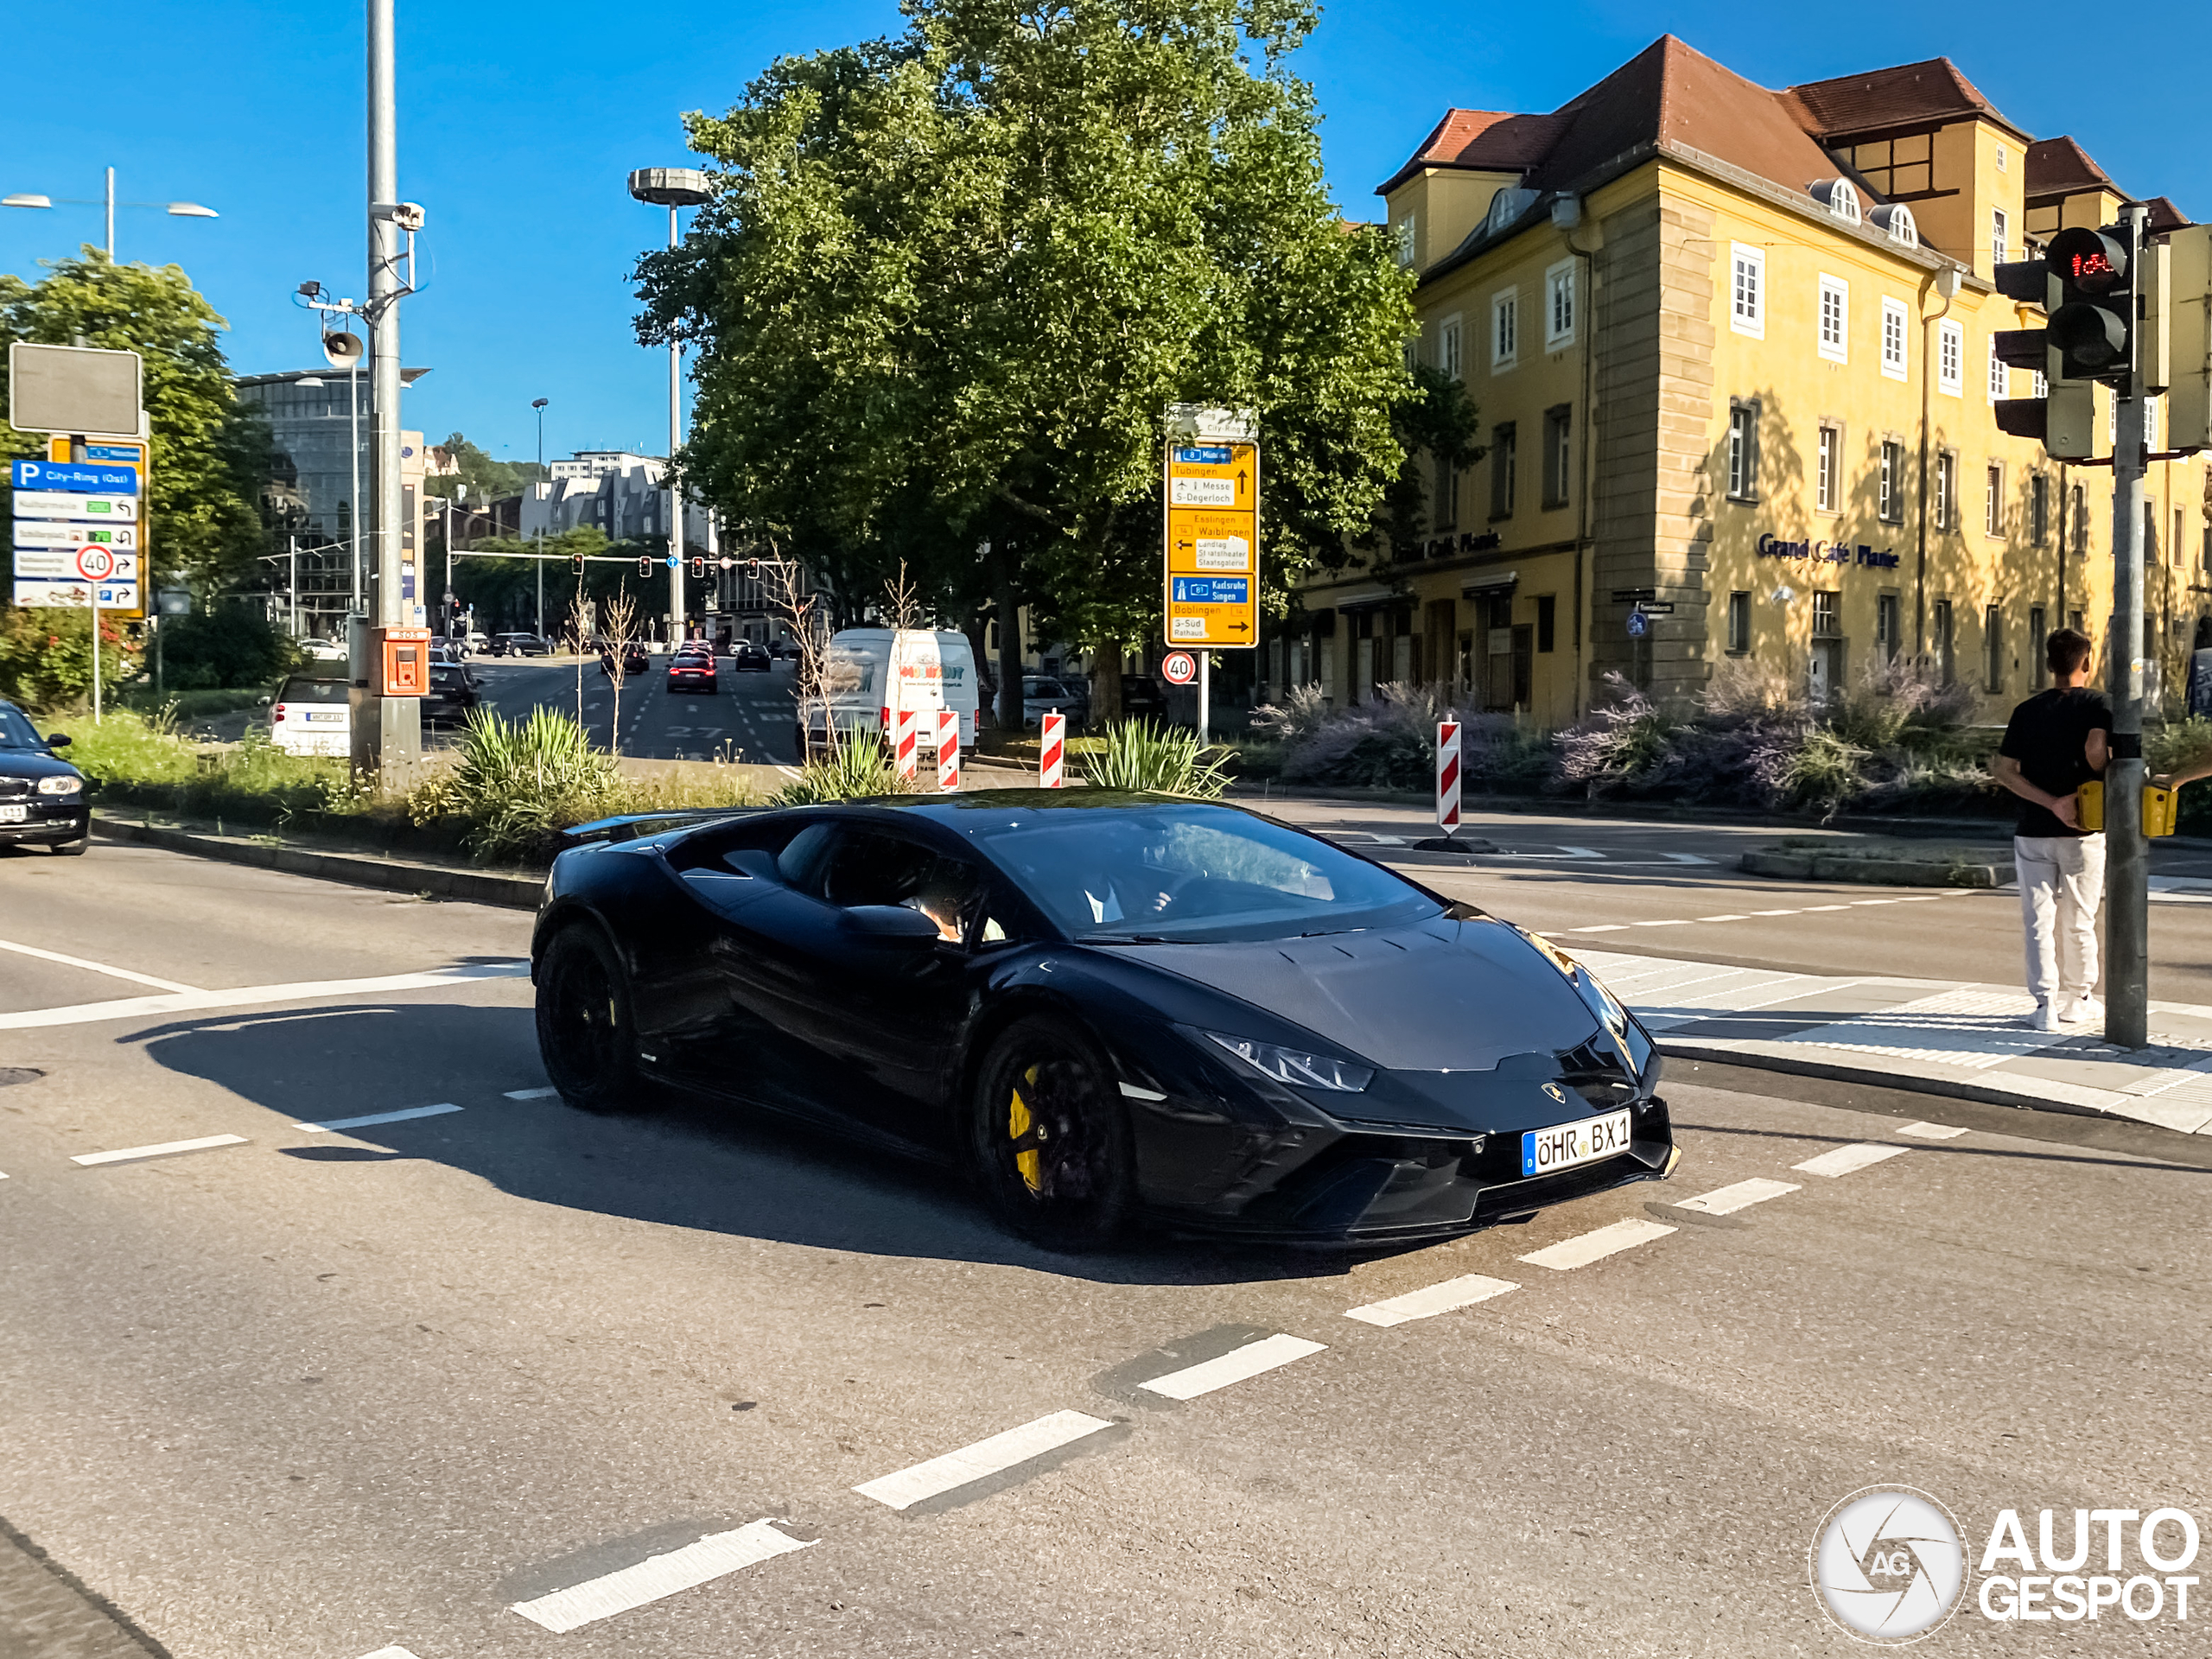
(1894, 220)
(1505, 206)
(1839, 197)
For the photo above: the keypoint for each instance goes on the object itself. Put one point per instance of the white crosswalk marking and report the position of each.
(1235, 1366)
(1464, 1292)
(984, 1458)
(659, 1576)
(1595, 1247)
(1727, 1201)
(1931, 1131)
(1844, 1160)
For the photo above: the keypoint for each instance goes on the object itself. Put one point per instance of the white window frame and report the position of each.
(1950, 358)
(1746, 296)
(1827, 469)
(2000, 374)
(2002, 163)
(2000, 226)
(1504, 330)
(1837, 350)
(1405, 234)
(1451, 352)
(1897, 324)
(1559, 286)
(1992, 503)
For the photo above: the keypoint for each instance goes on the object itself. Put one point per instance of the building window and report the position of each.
(1888, 615)
(1993, 500)
(1889, 501)
(1946, 490)
(1998, 226)
(2038, 637)
(1893, 340)
(2039, 508)
(1505, 329)
(1739, 623)
(1827, 622)
(2001, 162)
(1501, 470)
(2041, 387)
(1558, 454)
(1449, 360)
(1993, 649)
(2000, 377)
(1940, 618)
(2080, 525)
(1447, 497)
(1559, 305)
(1747, 291)
(1402, 232)
(1547, 622)
(1743, 452)
(1826, 475)
(1950, 358)
(1835, 319)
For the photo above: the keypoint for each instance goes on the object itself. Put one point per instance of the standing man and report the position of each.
(2057, 741)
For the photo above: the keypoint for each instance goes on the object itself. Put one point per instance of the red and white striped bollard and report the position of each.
(1053, 750)
(948, 748)
(906, 743)
(1447, 775)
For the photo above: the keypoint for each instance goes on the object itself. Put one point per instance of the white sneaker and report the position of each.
(2083, 1011)
(2045, 1018)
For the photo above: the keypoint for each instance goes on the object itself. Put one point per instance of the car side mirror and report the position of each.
(892, 923)
(57, 739)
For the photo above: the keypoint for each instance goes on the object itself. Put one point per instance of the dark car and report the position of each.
(1142, 698)
(520, 645)
(43, 800)
(692, 668)
(1103, 1007)
(749, 657)
(453, 692)
(634, 660)
(783, 647)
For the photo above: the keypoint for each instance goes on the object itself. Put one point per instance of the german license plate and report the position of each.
(1543, 1151)
(15, 814)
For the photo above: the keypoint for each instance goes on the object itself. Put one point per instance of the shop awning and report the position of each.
(1490, 582)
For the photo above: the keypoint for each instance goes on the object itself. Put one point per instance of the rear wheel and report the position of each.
(1050, 1141)
(586, 1034)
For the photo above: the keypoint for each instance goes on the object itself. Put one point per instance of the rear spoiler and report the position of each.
(636, 825)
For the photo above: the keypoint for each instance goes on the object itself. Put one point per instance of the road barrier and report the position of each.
(1053, 752)
(906, 741)
(1447, 775)
(948, 748)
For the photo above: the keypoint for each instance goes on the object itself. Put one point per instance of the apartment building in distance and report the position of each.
(1732, 352)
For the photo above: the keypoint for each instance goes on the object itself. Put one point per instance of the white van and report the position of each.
(867, 670)
(311, 716)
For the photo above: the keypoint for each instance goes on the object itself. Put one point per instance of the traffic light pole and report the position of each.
(2127, 854)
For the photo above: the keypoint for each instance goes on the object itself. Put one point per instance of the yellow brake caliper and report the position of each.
(1028, 1164)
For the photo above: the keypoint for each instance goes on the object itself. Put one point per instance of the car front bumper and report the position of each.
(52, 818)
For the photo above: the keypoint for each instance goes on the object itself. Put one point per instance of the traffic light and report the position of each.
(2177, 311)
(752, 569)
(2086, 284)
(645, 564)
(576, 564)
(698, 566)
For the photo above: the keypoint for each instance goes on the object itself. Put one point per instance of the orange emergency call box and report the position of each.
(403, 657)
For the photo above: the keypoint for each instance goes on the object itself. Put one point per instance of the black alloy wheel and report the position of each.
(586, 1035)
(1050, 1141)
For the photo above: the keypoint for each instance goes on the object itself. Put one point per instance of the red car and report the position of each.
(692, 670)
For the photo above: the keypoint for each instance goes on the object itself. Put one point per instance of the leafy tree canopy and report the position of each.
(487, 479)
(950, 282)
(208, 451)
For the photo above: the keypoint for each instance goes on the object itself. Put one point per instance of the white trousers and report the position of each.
(2062, 884)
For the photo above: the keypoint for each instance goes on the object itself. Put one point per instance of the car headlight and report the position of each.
(1303, 1071)
(64, 785)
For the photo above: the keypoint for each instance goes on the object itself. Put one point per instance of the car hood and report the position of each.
(1430, 996)
(35, 762)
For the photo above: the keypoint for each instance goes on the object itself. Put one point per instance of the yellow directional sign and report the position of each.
(1213, 544)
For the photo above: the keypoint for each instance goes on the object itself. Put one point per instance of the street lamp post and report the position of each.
(538, 403)
(674, 189)
(175, 209)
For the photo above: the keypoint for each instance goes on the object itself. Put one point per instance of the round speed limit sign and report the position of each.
(1181, 668)
(95, 562)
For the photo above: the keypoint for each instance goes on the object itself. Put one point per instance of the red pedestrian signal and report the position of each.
(698, 567)
(644, 565)
(576, 564)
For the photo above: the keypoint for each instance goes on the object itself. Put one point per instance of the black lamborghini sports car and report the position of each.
(1104, 1007)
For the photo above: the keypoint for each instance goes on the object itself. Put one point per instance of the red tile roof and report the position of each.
(1910, 94)
(2059, 167)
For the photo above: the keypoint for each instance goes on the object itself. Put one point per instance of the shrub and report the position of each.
(1628, 742)
(1822, 772)
(1303, 711)
(226, 648)
(1389, 743)
(1139, 755)
(1744, 689)
(46, 658)
(854, 769)
(518, 783)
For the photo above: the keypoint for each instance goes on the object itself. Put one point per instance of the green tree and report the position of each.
(208, 451)
(950, 280)
(503, 584)
(487, 479)
(46, 658)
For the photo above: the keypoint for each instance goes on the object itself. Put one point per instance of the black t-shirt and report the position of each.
(2048, 735)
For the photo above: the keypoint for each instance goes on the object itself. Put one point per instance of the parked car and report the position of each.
(453, 692)
(43, 799)
(479, 641)
(782, 648)
(1041, 695)
(1142, 698)
(749, 657)
(323, 650)
(692, 668)
(863, 666)
(521, 645)
(311, 716)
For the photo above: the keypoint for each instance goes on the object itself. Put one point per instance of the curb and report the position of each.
(355, 869)
(1876, 871)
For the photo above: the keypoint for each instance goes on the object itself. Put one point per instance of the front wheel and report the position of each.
(76, 849)
(586, 1033)
(1049, 1139)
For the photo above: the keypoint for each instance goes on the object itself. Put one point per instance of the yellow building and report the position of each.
(1731, 350)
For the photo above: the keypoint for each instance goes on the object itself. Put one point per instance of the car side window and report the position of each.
(872, 866)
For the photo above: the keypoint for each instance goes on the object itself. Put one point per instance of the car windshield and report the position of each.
(847, 674)
(1043, 689)
(16, 732)
(1177, 873)
(313, 691)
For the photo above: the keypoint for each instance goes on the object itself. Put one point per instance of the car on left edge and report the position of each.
(43, 799)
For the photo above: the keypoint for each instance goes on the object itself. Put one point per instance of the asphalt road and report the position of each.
(749, 720)
(319, 1393)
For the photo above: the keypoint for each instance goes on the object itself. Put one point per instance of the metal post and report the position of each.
(1205, 692)
(293, 545)
(111, 215)
(93, 589)
(395, 728)
(2128, 866)
(353, 418)
(675, 501)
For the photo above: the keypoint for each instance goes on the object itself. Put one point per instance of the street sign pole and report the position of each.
(1211, 508)
(1206, 700)
(2128, 868)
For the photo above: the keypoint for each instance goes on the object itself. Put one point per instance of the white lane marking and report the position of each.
(377, 1117)
(1931, 1131)
(1774, 913)
(984, 1458)
(388, 1653)
(658, 1576)
(1595, 1247)
(532, 1094)
(139, 1008)
(1678, 922)
(92, 967)
(168, 1148)
(1602, 927)
(1809, 909)
(1844, 1160)
(1727, 1201)
(1235, 1366)
(1463, 1292)
(1724, 918)
(1857, 902)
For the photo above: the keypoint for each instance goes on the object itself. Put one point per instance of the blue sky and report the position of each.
(518, 123)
